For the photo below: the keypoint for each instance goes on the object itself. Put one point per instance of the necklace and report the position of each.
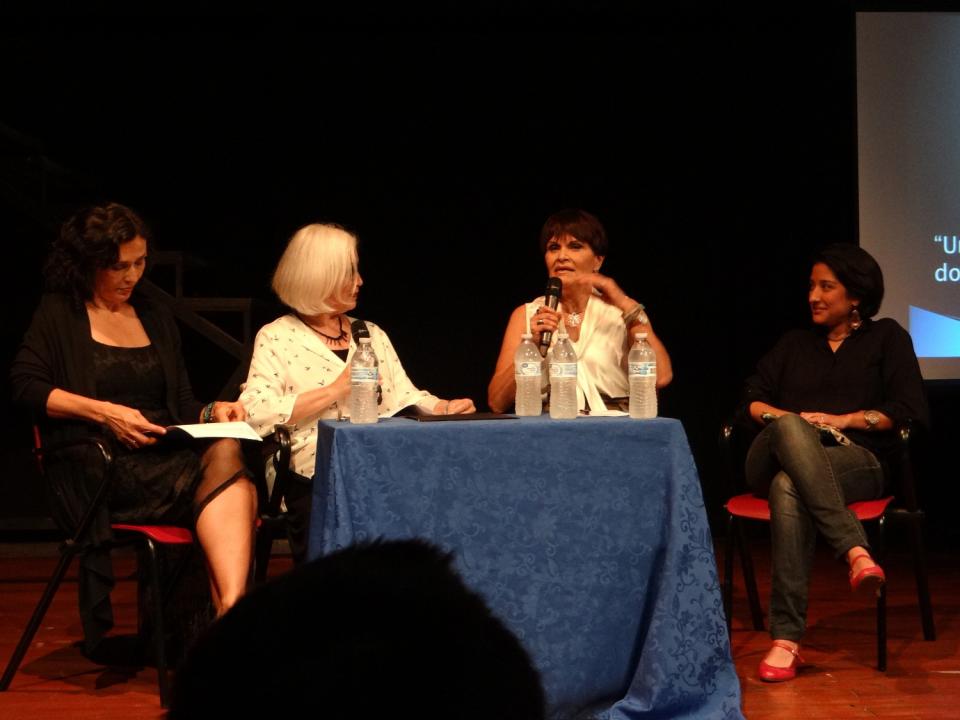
(574, 317)
(330, 339)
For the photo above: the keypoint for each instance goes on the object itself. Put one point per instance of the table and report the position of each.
(587, 537)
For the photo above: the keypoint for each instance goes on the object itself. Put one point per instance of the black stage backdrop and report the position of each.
(718, 149)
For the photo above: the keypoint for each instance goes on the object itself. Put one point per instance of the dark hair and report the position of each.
(857, 271)
(90, 241)
(576, 223)
(375, 630)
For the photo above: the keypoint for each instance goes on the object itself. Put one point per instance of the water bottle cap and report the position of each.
(562, 333)
(526, 336)
(640, 336)
(365, 340)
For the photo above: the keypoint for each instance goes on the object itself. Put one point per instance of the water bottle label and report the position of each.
(363, 375)
(563, 370)
(643, 369)
(528, 369)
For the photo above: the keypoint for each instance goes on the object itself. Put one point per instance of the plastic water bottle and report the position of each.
(643, 378)
(364, 374)
(526, 371)
(563, 378)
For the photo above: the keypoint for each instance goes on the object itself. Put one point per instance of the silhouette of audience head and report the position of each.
(385, 629)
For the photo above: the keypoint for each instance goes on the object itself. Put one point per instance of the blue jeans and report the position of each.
(808, 486)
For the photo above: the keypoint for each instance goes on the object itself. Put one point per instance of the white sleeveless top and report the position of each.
(600, 350)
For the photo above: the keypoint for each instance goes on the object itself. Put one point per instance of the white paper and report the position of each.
(239, 430)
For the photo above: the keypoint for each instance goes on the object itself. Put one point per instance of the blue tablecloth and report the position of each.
(587, 537)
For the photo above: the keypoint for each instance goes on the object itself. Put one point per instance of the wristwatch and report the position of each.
(872, 417)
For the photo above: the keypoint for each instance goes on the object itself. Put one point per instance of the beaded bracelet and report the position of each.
(631, 315)
(207, 415)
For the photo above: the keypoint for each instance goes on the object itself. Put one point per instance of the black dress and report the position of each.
(154, 484)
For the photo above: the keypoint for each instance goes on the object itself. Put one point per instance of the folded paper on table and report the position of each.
(239, 430)
(415, 413)
(465, 416)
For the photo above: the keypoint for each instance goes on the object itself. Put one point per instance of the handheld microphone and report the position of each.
(551, 297)
(358, 328)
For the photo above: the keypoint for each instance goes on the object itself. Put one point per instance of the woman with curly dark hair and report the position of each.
(99, 359)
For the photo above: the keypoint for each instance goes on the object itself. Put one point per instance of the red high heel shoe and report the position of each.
(871, 577)
(771, 673)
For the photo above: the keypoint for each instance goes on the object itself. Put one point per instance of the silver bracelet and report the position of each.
(637, 311)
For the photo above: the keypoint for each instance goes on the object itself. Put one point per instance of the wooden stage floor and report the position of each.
(840, 680)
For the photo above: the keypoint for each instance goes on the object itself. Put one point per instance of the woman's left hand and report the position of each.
(818, 418)
(228, 412)
(606, 289)
(460, 406)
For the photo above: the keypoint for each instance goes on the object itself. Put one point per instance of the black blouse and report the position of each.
(873, 369)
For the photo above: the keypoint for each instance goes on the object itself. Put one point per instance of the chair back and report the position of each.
(734, 441)
(74, 503)
(901, 470)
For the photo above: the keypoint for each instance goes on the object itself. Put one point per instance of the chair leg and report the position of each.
(38, 613)
(749, 579)
(153, 574)
(882, 628)
(920, 571)
(881, 602)
(262, 552)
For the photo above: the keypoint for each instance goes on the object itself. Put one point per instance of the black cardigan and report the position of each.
(57, 352)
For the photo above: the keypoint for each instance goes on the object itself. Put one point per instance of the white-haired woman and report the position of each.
(299, 372)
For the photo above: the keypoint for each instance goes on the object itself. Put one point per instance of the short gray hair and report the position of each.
(320, 260)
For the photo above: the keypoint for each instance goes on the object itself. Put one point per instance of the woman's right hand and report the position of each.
(341, 386)
(543, 320)
(130, 427)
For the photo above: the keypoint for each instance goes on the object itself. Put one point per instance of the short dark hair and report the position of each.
(379, 629)
(857, 271)
(90, 241)
(576, 223)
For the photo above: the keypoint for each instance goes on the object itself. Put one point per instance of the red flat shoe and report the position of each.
(870, 577)
(771, 673)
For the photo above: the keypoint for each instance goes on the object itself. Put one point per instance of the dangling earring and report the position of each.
(855, 321)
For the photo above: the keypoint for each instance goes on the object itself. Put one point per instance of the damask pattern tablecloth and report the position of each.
(587, 537)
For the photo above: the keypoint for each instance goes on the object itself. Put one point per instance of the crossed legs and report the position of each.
(226, 502)
(808, 486)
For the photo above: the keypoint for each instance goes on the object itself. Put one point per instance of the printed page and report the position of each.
(239, 430)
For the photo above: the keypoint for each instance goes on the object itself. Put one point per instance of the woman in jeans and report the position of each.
(829, 398)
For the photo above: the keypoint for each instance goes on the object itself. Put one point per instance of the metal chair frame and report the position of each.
(901, 507)
(147, 538)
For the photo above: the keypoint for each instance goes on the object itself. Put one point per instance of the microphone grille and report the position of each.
(358, 329)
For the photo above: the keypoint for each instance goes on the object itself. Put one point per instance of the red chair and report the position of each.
(146, 538)
(899, 507)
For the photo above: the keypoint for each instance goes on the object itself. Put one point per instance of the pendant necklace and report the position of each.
(330, 339)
